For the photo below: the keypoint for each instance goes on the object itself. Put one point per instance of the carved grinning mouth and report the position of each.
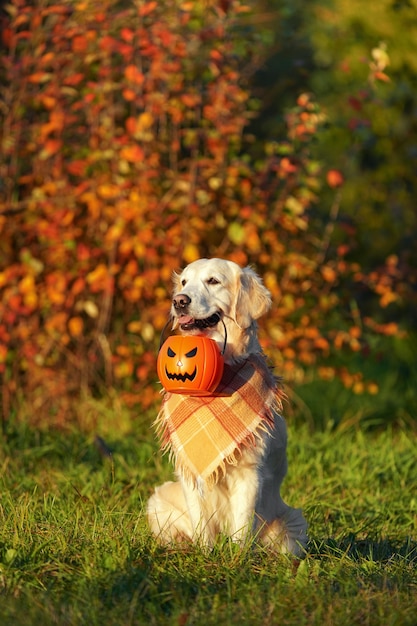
(189, 323)
(181, 377)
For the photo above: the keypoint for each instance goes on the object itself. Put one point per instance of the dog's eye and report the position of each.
(213, 281)
(183, 282)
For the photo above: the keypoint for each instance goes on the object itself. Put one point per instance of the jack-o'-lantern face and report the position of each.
(190, 365)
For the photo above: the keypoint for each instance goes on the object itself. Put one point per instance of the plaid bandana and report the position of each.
(203, 433)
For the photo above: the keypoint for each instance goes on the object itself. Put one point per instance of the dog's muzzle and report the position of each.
(181, 303)
(189, 323)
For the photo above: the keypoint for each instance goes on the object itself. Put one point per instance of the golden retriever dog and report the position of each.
(219, 299)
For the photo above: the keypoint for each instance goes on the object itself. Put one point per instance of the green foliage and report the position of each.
(372, 128)
(75, 549)
(359, 63)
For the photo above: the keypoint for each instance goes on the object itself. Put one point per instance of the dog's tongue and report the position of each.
(185, 319)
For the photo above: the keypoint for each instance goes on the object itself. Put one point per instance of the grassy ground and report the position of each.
(75, 549)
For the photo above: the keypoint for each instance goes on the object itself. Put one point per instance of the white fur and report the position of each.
(246, 502)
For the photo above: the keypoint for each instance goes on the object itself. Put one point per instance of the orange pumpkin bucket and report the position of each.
(191, 365)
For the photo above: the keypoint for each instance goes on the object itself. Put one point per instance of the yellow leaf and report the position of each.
(91, 308)
(134, 327)
(30, 300)
(115, 231)
(99, 273)
(372, 388)
(294, 206)
(236, 233)
(108, 191)
(387, 298)
(27, 284)
(148, 332)
(190, 253)
(358, 387)
(144, 121)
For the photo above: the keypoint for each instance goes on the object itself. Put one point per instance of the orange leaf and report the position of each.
(129, 95)
(127, 35)
(3, 353)
(108, 191)
(382, 77)
(78, 286)
(130, 124)
(39, 77)
(75, 326)
(134, 75)
(99, 274)
(51, 147)
(74, 79)
(27, 284)
(134, 326)
(190, 99)
(133, 154)
(334, 178)
(48, 102)
(147, 8)
(328, 274)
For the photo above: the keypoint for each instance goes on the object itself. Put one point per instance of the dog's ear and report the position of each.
(252, 299)
(176, 287)
(176, 282)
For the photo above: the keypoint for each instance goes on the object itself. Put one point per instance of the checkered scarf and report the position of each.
(204, 433)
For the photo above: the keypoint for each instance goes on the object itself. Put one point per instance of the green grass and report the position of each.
(75, 548)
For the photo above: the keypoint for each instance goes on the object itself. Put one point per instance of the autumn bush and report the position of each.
(125, 155)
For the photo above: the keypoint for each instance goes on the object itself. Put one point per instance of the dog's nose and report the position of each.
(181, 301)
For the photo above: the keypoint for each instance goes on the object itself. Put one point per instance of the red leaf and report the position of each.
(127, 35)
(79, 44)
(355, 103)
(74, 79)
(77, 167)
(334, 178)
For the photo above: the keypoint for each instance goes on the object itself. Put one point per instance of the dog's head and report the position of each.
(210, 291)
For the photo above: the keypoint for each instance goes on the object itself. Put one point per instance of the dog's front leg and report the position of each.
(243, 483)
(202, 532)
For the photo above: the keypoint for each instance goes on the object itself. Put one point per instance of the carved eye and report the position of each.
(191, 353)
(213, 281)
(170, 352)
